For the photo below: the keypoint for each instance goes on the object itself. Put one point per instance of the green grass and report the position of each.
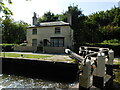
(39, 57)
(117, 61)
(109, 43)
(114, 44)
(23, 55)
(5, 44)
(116, 83)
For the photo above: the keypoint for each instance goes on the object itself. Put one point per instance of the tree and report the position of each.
(5, 10)
(48, 17)
(13, 32)
(77, 24)
(104, 25)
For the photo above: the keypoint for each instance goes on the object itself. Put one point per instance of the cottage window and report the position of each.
(57, 30)
(57, 41)
(34, 31)
(34, 42)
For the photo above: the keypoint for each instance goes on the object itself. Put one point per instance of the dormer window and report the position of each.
(34, 31)
(57, 30)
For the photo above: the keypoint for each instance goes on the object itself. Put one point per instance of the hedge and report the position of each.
(7, 47)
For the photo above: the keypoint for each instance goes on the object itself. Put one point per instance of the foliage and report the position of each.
(23, 44)
(100, 26)
(111, 41)
(6, 44)
(5, 10)
(107, 24)
(48, 17)
(95, 28)
(110, 32)
(13, 32)
(116, 82)
(77, 22)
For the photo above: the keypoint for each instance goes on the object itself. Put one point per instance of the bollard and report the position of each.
(109, 65)
(109, 68)
(84, 78)
(99, 72)
(111, 57)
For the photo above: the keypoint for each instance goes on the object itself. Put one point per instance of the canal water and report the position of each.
(12, 81)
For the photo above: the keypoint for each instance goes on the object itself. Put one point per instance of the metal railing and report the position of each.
(94, 62)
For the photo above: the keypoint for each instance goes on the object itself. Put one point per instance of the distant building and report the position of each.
(50, 37)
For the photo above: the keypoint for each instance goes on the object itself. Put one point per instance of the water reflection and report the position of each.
(12, 81)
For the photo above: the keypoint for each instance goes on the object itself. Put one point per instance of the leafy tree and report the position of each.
(77, 24)
(13, 32)
(105, 23)
(48, 17)
(5, 10)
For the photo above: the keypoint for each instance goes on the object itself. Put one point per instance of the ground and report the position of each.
(38, 56)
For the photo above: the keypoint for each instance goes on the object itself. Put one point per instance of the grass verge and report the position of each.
(116, 81)
(117, 61)
(16, 55)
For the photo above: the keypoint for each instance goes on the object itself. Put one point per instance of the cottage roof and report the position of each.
(55, 23)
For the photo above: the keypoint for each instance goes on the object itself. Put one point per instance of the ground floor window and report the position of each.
(57, 41)
(34, 42)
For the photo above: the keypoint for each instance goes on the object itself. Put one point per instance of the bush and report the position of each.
(23, 44)
(7, 47)
(111, 41)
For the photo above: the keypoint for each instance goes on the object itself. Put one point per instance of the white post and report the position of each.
(99, 73)
(84, 78)
(111, 57)
(109, 65)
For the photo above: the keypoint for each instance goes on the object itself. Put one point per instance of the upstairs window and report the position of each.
(57, 30)
(34, 31)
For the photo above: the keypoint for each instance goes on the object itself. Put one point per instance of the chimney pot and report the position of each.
(34, 19)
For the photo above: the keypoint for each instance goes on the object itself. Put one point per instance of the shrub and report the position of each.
(111, 41)
(7, 47)
(23, 44)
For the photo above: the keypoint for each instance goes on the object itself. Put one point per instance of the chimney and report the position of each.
(34, 19)
(69, 18)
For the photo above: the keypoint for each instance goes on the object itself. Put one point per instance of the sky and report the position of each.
(23, 9)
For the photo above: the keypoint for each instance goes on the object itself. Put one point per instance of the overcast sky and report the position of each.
(23, 10)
